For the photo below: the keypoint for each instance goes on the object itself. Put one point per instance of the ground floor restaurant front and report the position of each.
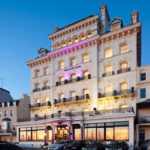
(67, 130)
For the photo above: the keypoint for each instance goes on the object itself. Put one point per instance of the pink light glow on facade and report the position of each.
(66, 76)
(78, 73)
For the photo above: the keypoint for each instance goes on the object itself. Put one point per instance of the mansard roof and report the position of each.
(5, 95)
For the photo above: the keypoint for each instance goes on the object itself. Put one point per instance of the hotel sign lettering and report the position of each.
(72, 68)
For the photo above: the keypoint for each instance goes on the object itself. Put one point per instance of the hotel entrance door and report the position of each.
(62, 133)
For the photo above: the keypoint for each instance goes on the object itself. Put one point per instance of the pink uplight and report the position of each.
(66, 76)
(78, 73)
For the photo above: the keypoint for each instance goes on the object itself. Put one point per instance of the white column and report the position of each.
(131, 131)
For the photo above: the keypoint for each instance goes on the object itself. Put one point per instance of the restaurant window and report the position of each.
(143, 93)
(100, 133)
(34, 135)
(108, 90)
(143, 76)
(108, 52)
(69, 41)
(85, 58)
(73, 61)
(61, 64)
(28, 134)
(121, 133)
(50, 135)
(22, 134)
(90, 131)
(82, 36)
(109, 133)
(40, 135)
(123, 48)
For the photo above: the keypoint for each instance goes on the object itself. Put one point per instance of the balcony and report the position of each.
(8, 131)
(74, 80)
(143, 119)
(72, 100)
(116, 95)
(39, 106)
(84, 114)
(36, 90)
(107, 74)
(123, 70)
(45, 87)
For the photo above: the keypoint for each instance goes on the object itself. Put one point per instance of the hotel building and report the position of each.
(85, 86)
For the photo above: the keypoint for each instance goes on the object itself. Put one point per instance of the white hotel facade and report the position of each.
(85, 87)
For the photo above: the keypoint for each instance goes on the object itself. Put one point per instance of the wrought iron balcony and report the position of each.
(123, 70)
(117, 94)
(72, 100)
(45, 87)
(40, 105)
(85, 114)
(36, 89)
(74, 80)
(12, 131)
(108, 74)
(143, 119)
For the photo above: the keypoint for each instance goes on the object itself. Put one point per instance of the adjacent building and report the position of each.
(12, 111)
(85, 86)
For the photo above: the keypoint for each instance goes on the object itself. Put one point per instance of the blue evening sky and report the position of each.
(26, 24)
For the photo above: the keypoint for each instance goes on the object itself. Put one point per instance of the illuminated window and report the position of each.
(50, 135)
(73, 77)
(62, 79)
(46, 70)
(28, 134)
(108, 52)
(123, 48)
(61, 65)
(124, 87)
(121, 133)
(36, 73)
(100, 133)
(108, 70)
(22, 135)
(90, 133)
(77, 133)
(108, 90)
(115, 27)
(37, 100)
(63, 43)
(34, 135)
(82, 36)
(73, 61)
(124, 66)
(89, 33)
(85, 58)
(69, 41)
(40, 135)
(73, 94)
(86, 73)
(76, 38)
(109, 133)
(57, 46)
(61, 96)
(85, 91)
(124, 106)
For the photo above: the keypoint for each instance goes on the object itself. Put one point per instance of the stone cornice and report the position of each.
(75, 27)
(38, 61)
(75, 46)
(125, 31)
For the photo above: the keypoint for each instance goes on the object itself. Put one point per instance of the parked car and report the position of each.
(76, 145)
(98, 145)
(9, 146)
(59, 145)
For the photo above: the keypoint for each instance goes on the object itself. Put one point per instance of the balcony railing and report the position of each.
(84, 114)
(12, 131)
(123, 70)
(108, 74)
(117, 93)
(36, 89)
(72, 99)
(74, 80)
(143, 119)
(45, 87)
(40, 105)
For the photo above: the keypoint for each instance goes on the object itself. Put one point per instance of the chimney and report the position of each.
(135, 17)
(55, 29)
(105, 18)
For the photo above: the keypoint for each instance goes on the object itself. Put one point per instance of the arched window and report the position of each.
(69, 41)
(57, 45)
(89, 33)
(63, 43)
(82, 36)
(76, 38)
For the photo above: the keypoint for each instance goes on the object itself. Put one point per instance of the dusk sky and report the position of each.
(26, 24)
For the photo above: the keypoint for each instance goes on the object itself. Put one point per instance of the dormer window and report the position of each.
(63, 43)
(42, 52)
(116, 24)
(89, 33)
(76, 38)
(69, 41)
(57, 45)
(82, 36)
